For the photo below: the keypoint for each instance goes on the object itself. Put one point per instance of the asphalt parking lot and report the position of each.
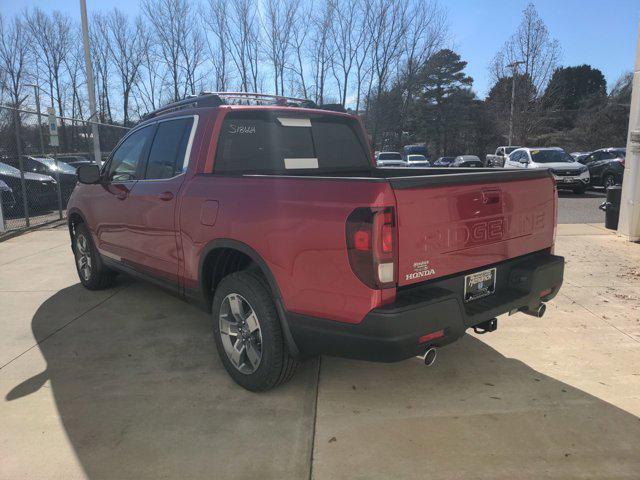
(125, 383)
(583, 208)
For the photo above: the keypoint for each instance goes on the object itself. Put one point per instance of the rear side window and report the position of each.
(280, 142)
(167, 155)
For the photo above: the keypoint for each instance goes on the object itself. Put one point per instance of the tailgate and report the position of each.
(446, 228)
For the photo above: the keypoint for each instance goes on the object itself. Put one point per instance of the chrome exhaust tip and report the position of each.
(537, 312)
(429, 357)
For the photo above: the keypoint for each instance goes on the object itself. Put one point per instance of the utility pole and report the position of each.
(514, 69)
(629, 223)
(37, 94)
(90, 86)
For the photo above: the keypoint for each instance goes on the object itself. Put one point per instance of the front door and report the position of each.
(110, 202)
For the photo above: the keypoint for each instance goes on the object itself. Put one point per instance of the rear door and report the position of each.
(153, 199)
(447, 229)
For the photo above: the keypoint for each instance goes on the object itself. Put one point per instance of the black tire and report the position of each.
(98, 276)
(580, 190)
(609, 180)
(276, 365)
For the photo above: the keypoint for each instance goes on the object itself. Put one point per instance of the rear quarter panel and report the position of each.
(297, 226)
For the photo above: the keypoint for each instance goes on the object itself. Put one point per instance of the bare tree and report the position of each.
(388, 32)
(181, 44)
(298, 43)
(320, 49)
(532, 45)
(127, 44)
(245, 52)
(280, 16)
(51, 41)
(13, 58)
(101, 58)
(215, 18)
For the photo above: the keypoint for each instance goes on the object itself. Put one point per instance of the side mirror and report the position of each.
(88, 174)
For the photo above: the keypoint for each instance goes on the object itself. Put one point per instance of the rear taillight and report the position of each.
(621, 160)
(371, 246)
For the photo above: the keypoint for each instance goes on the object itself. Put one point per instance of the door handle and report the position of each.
(166, 196)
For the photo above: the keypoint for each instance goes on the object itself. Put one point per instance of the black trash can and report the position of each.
(612, 207)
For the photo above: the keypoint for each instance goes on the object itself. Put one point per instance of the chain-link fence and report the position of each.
(36, 178)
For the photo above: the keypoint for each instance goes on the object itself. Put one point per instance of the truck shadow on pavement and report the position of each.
(141, 394)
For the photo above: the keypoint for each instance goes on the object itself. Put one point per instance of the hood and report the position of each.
(559, 165)
(10, 171)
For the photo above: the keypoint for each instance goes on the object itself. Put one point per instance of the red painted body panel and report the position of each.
(450, 229)
(297, 226)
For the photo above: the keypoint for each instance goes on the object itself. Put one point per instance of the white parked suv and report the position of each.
(569, 174)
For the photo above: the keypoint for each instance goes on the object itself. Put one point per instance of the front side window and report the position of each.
(125, 160)
(277, 142)
(167, 154)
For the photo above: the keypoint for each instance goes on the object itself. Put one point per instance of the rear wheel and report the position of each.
(248, 335)
(92, 272)
(609, 181)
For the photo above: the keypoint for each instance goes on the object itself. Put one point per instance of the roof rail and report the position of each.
(202, 100)
(215, 99)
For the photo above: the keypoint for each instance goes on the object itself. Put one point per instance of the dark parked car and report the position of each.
(7, 198)
(443, 161)
(606, 166)
(41, 190)
(64, 173)
(467, 161)
(579, 156)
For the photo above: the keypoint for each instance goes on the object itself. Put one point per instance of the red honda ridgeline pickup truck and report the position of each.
(277, 221)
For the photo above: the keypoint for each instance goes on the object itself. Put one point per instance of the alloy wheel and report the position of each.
(240, 333)
(83, 257)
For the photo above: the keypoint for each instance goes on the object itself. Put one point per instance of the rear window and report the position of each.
(277, 141)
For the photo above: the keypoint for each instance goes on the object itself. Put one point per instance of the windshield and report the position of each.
(416, 158)
(390, 156)
(551, 156)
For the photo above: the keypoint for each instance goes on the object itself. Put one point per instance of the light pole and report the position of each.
(514, 68)
(35, 89)
(90, 87)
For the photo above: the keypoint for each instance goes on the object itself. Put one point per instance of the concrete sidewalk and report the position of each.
(126, 383)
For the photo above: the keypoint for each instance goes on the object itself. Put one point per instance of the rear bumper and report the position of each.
(391, 333)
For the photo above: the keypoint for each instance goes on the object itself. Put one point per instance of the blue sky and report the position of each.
(602, 33)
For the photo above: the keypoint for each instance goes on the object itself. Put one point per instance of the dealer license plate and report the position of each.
(479, 284)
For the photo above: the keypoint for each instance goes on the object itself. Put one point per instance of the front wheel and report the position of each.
(248, 335)
(92, 272)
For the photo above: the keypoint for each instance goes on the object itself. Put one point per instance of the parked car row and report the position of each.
(41, 176)
(395, 159)
(569, 174)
